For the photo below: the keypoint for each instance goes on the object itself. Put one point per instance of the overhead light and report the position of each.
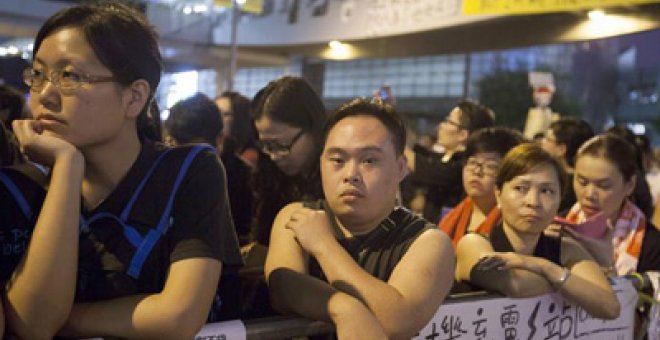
(187, 10)
(200, 8)
(339, 51)
(241, 2)
(3, 51)
(12, 49)
(336, 45)
(596, 14)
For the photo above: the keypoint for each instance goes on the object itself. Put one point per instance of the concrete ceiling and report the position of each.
(499, 33)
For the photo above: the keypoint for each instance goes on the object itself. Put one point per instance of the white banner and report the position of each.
(227, 330)
(545, 317)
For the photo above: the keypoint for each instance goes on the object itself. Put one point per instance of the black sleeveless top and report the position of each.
(548, 248)
(380, 250)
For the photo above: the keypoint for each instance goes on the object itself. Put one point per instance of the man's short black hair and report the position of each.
(475, 116)
(385, 113)
(572, 133)
(193, 119)
(497, 140)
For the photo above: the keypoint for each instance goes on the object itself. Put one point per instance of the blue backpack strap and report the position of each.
(147, 244)
(18, 195)
(140, 187)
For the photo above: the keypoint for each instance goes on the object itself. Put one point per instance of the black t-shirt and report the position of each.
(15, 226)
(547, 247)
(649, 258)
(239, 175)
(443, 181)
(200, 225)
(379, 251)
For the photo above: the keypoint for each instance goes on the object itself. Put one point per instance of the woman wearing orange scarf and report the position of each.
(478, 212)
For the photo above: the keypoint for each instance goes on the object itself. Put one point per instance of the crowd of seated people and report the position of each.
(256, 207)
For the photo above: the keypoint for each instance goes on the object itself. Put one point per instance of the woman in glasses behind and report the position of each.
(478, 213)
(128, 239)
(289, 117)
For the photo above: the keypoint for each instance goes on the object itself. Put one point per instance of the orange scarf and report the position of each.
(456, 222)
(627, 237)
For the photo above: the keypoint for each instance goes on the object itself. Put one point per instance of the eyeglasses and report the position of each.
(65, 81)
(276, 149)
(550, 140)
(451, 122)
(489, 168)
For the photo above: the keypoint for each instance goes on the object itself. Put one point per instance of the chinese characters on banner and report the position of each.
(545, 317)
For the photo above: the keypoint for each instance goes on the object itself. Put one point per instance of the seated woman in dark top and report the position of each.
(517, 259)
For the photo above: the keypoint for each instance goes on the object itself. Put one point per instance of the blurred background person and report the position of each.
(437, 177)
(562, 140)
(197, 120)
(238, 134)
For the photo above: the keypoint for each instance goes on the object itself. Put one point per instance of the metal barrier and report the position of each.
(470, 316)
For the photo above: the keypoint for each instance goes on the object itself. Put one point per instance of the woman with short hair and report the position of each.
(517, 259)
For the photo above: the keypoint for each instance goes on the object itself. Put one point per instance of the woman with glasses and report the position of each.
(437, 177)
(516, 258)
(289, 117)
(477, 213)
(126, 238)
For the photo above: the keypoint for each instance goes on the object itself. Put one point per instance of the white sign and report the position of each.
(227, 330)
(537, 79)
(545, 317)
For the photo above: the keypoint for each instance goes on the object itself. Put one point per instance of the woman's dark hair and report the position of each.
(475, 116)
(193, 120)
(10, 153)
(630, 137)
(292, 101)
(243, 132)
(572, 133)
(615, 149)
(524, 158)
(498, 140)
(12, 100)
(121, 39)
(378, 109)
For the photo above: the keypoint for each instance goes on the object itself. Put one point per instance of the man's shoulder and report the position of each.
(406, 221)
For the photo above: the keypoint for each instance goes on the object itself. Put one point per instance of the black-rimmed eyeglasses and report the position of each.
(277, 149)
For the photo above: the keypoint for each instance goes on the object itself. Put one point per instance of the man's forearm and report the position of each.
(385, 301)
(294, 292)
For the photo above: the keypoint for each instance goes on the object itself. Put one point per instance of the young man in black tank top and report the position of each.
(383, 271)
